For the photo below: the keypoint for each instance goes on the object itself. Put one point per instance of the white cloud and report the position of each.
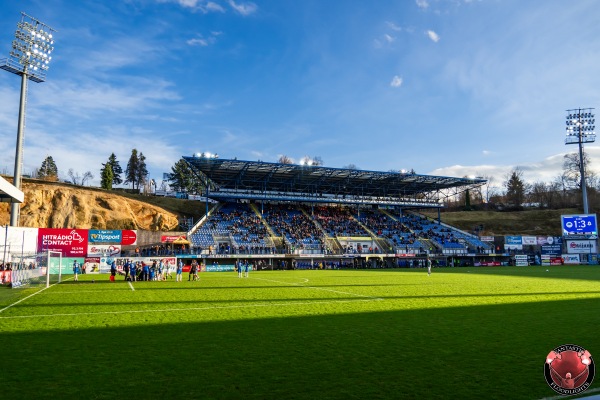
(396, 81)
(486, 152)
(243, 8)
(198, 42)
(433, 36)
(197, 5)
(393, 26)
(423, 4)
(203, 42)
(388, 38)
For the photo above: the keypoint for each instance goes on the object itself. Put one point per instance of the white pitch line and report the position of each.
(31, 295)
(318, 288)
(131, 286)
(187, 309)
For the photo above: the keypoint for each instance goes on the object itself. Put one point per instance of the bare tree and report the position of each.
(86, 177)
(350, 166)
(75, 178)
(283, 159)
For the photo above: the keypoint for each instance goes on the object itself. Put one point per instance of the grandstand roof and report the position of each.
(9, 193)
(259, 179)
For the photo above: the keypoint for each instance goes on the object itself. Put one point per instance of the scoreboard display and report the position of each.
(584, 224)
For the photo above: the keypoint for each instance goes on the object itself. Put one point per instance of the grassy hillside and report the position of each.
(531, 222)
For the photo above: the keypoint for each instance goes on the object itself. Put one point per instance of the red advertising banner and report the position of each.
(128, 238)
(172, 239)
(71, 242)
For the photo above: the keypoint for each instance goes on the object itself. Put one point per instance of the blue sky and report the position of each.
(445, 87)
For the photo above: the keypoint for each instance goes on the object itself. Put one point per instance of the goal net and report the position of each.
(40, 269)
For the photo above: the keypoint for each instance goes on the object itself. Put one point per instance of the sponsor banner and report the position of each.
(581, 246)
(220, 268)
(513, 240)
(104, 250)
(551, 240)
(513, 243)
(71, 242)
(521, 260)
(552, 260)
(529, 240)
(98, 236)
(486, 238)
(5, 277)
(571, 258)
(128, 237)
(552, 249)
(92, 265)
(171, 239)
(488, 264)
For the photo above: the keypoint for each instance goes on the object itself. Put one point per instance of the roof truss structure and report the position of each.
(258, 180)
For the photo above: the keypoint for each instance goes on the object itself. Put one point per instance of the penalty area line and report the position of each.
(131, 286)
(187, 309)
(31, 295)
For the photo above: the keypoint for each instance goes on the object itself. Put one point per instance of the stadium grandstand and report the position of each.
(302, 216)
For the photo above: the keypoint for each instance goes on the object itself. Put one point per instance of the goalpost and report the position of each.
(36, 269)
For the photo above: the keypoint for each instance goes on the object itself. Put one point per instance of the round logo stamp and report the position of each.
(569, 369)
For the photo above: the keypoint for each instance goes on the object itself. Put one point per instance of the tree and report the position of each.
(572, 169)
(515, 187)
(116, 169)
(48, 171)
(131, 172)
(106, 176)
(142, 171)
(77, 180)
(350, 166)
(285, 160)
(183, 179)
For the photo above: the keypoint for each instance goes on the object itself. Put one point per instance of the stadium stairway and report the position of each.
(202, 220)
(330, 241)
(275, 239)
(382, 244)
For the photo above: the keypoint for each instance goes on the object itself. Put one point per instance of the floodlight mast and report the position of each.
(580, 130)
(29, 58)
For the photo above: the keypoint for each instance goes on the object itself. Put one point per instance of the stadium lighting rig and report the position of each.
(580, 130)
(206, 155)
(30, 58)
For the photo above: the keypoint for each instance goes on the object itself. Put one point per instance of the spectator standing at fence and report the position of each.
(75, 270)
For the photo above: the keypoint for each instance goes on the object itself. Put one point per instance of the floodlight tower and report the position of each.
(580, 130)
(29, 58)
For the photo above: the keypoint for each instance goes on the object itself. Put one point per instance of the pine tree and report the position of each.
(107, 178)
(180, 176)
(515, 187)
(48, 170)
(116, 169)
(131, 172)
(142, 171)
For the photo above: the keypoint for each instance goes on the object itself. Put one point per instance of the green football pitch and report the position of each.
(462, 333)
